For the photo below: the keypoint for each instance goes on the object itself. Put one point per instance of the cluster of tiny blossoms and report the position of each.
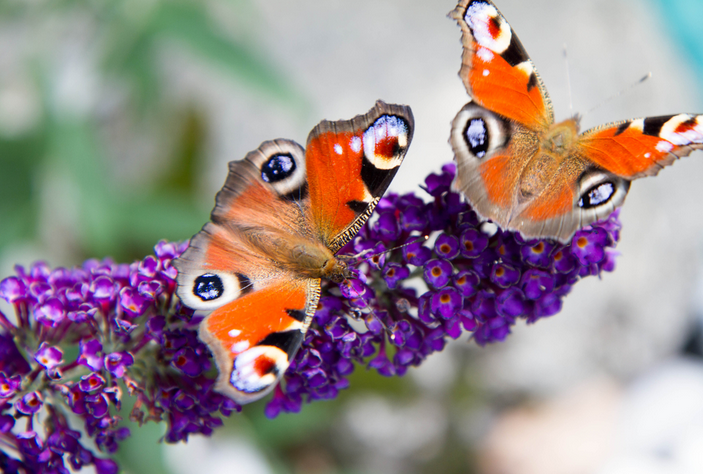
(476, 281)
(81, 337)
(123, 331)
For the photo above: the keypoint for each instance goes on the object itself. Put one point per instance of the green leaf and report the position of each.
(189, 24)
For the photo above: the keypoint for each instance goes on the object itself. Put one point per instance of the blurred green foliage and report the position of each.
(125, 40)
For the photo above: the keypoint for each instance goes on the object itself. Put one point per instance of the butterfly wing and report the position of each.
(496, 70)
(260, 310)
(618, 153)
(350, 165)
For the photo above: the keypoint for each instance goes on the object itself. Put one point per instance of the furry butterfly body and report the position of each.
(522, 170)
(281, 217)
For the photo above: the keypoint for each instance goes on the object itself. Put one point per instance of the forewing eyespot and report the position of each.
(278, 168)
(208, 287)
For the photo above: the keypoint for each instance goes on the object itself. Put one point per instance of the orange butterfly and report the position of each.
(525, 172)
(278, 222)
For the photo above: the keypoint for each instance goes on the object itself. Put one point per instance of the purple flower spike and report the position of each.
(133, 335)
(48, 356)
(438, 272)
(29, 404)
(446, 302)
(589, 245)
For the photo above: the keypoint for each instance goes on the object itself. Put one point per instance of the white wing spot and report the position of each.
(526, 67)
(647, 155)
(485, 55)
(664, 146)
(637, 125)
(338, 148)
(486, 72)
(234, 332)
(478, 16)
(245, 375)
(384, 128)
(355, 144)
(240, 346)
(668, 131)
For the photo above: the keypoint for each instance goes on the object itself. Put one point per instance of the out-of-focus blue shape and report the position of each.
(683, 19)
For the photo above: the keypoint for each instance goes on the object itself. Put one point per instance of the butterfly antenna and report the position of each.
(369, 257)
(568, 81)
(356, 314)
(621, 91)
(362, 253)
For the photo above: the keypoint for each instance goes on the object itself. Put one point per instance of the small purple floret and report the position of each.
(117, 362)
(29, 404)
(91, 354)
(48, 356)
(438, 272)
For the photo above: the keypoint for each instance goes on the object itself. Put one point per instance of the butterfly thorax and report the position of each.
(299, 254)
(555, 146)
(561, 137)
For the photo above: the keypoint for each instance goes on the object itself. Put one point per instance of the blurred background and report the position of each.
(117, 119)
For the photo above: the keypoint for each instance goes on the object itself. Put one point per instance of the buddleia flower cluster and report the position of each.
(128, 335)
(479, 281)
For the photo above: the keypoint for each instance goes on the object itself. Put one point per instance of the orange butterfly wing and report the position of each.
(350, 165)
(637, 148)
(496, 70)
